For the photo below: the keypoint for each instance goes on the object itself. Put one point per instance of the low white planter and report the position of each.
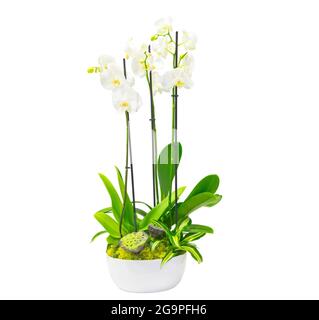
(146, 275)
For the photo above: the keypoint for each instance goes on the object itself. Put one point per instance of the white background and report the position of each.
(252, 117)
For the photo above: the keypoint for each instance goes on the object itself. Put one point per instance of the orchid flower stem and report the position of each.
(132, 169)
(174, 137)
(128, 156)
(154, 137)
(126, 175)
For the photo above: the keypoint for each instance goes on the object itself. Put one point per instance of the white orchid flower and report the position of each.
(188, 40)
(112, 78)
(139, 66)
(143, 62)
(162, 46)
(177, 77)
(187, 63)
(126, 99)
(164, 25)
(131, 49)
(157, 83)
(104, 61)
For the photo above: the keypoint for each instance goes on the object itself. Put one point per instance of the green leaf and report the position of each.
(175, 242)
(98, 234)
(109, 224)
(112, 240)
(215, 200)
(192, 237)
(128, 218)
(106, 210)
(208, 184)
(155, 244)
(198, 228)
(157, 211)
(166, 171)
(196, 202)
(193, 251)
(169, 255)
(116, 201)
(147, 205)
(182, 225)
(141, 212)
(168, 232)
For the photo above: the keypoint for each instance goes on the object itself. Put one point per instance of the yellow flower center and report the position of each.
(179, 83)
(124, 104)
(116, 82)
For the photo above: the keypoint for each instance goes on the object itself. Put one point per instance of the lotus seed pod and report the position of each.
(156, 232)
(134, 242)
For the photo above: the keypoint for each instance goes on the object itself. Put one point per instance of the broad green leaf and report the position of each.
(215, 200)
(208, 184)
(192, 237)
(106, 210)
(198, 228)
(112, 240)
(98, 234)
(157, 211)
(193, 251)
(116, 201)
(128, 218)
(109, 224)
(141, 212)
(196, 202)
(166, 167)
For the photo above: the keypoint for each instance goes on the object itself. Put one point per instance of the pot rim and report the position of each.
(142, 261)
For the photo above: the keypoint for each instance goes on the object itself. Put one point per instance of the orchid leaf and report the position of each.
(197, 201)
(109, 224)
(115, 199)
(208, 184)
(128, 210)
(98, 234)
(166, 166)
(157, 211)
(111, 240)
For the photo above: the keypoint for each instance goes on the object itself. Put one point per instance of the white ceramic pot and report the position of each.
(146, 275)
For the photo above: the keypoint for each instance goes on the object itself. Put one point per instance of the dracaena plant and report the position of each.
(181, 239)
(166, 66)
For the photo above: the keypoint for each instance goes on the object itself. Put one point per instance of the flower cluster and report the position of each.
(155, 57)
(124, 97)
(144, 58)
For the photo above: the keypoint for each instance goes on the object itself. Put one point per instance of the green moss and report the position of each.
(145, 254)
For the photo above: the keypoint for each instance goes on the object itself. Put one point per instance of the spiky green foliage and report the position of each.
(181, 239)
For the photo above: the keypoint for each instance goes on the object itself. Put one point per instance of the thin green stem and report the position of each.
(154, 135)
(126, 175)
(131, 168)
(128, 152)
(174, 138)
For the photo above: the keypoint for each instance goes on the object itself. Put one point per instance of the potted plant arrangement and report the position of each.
(147, 244)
